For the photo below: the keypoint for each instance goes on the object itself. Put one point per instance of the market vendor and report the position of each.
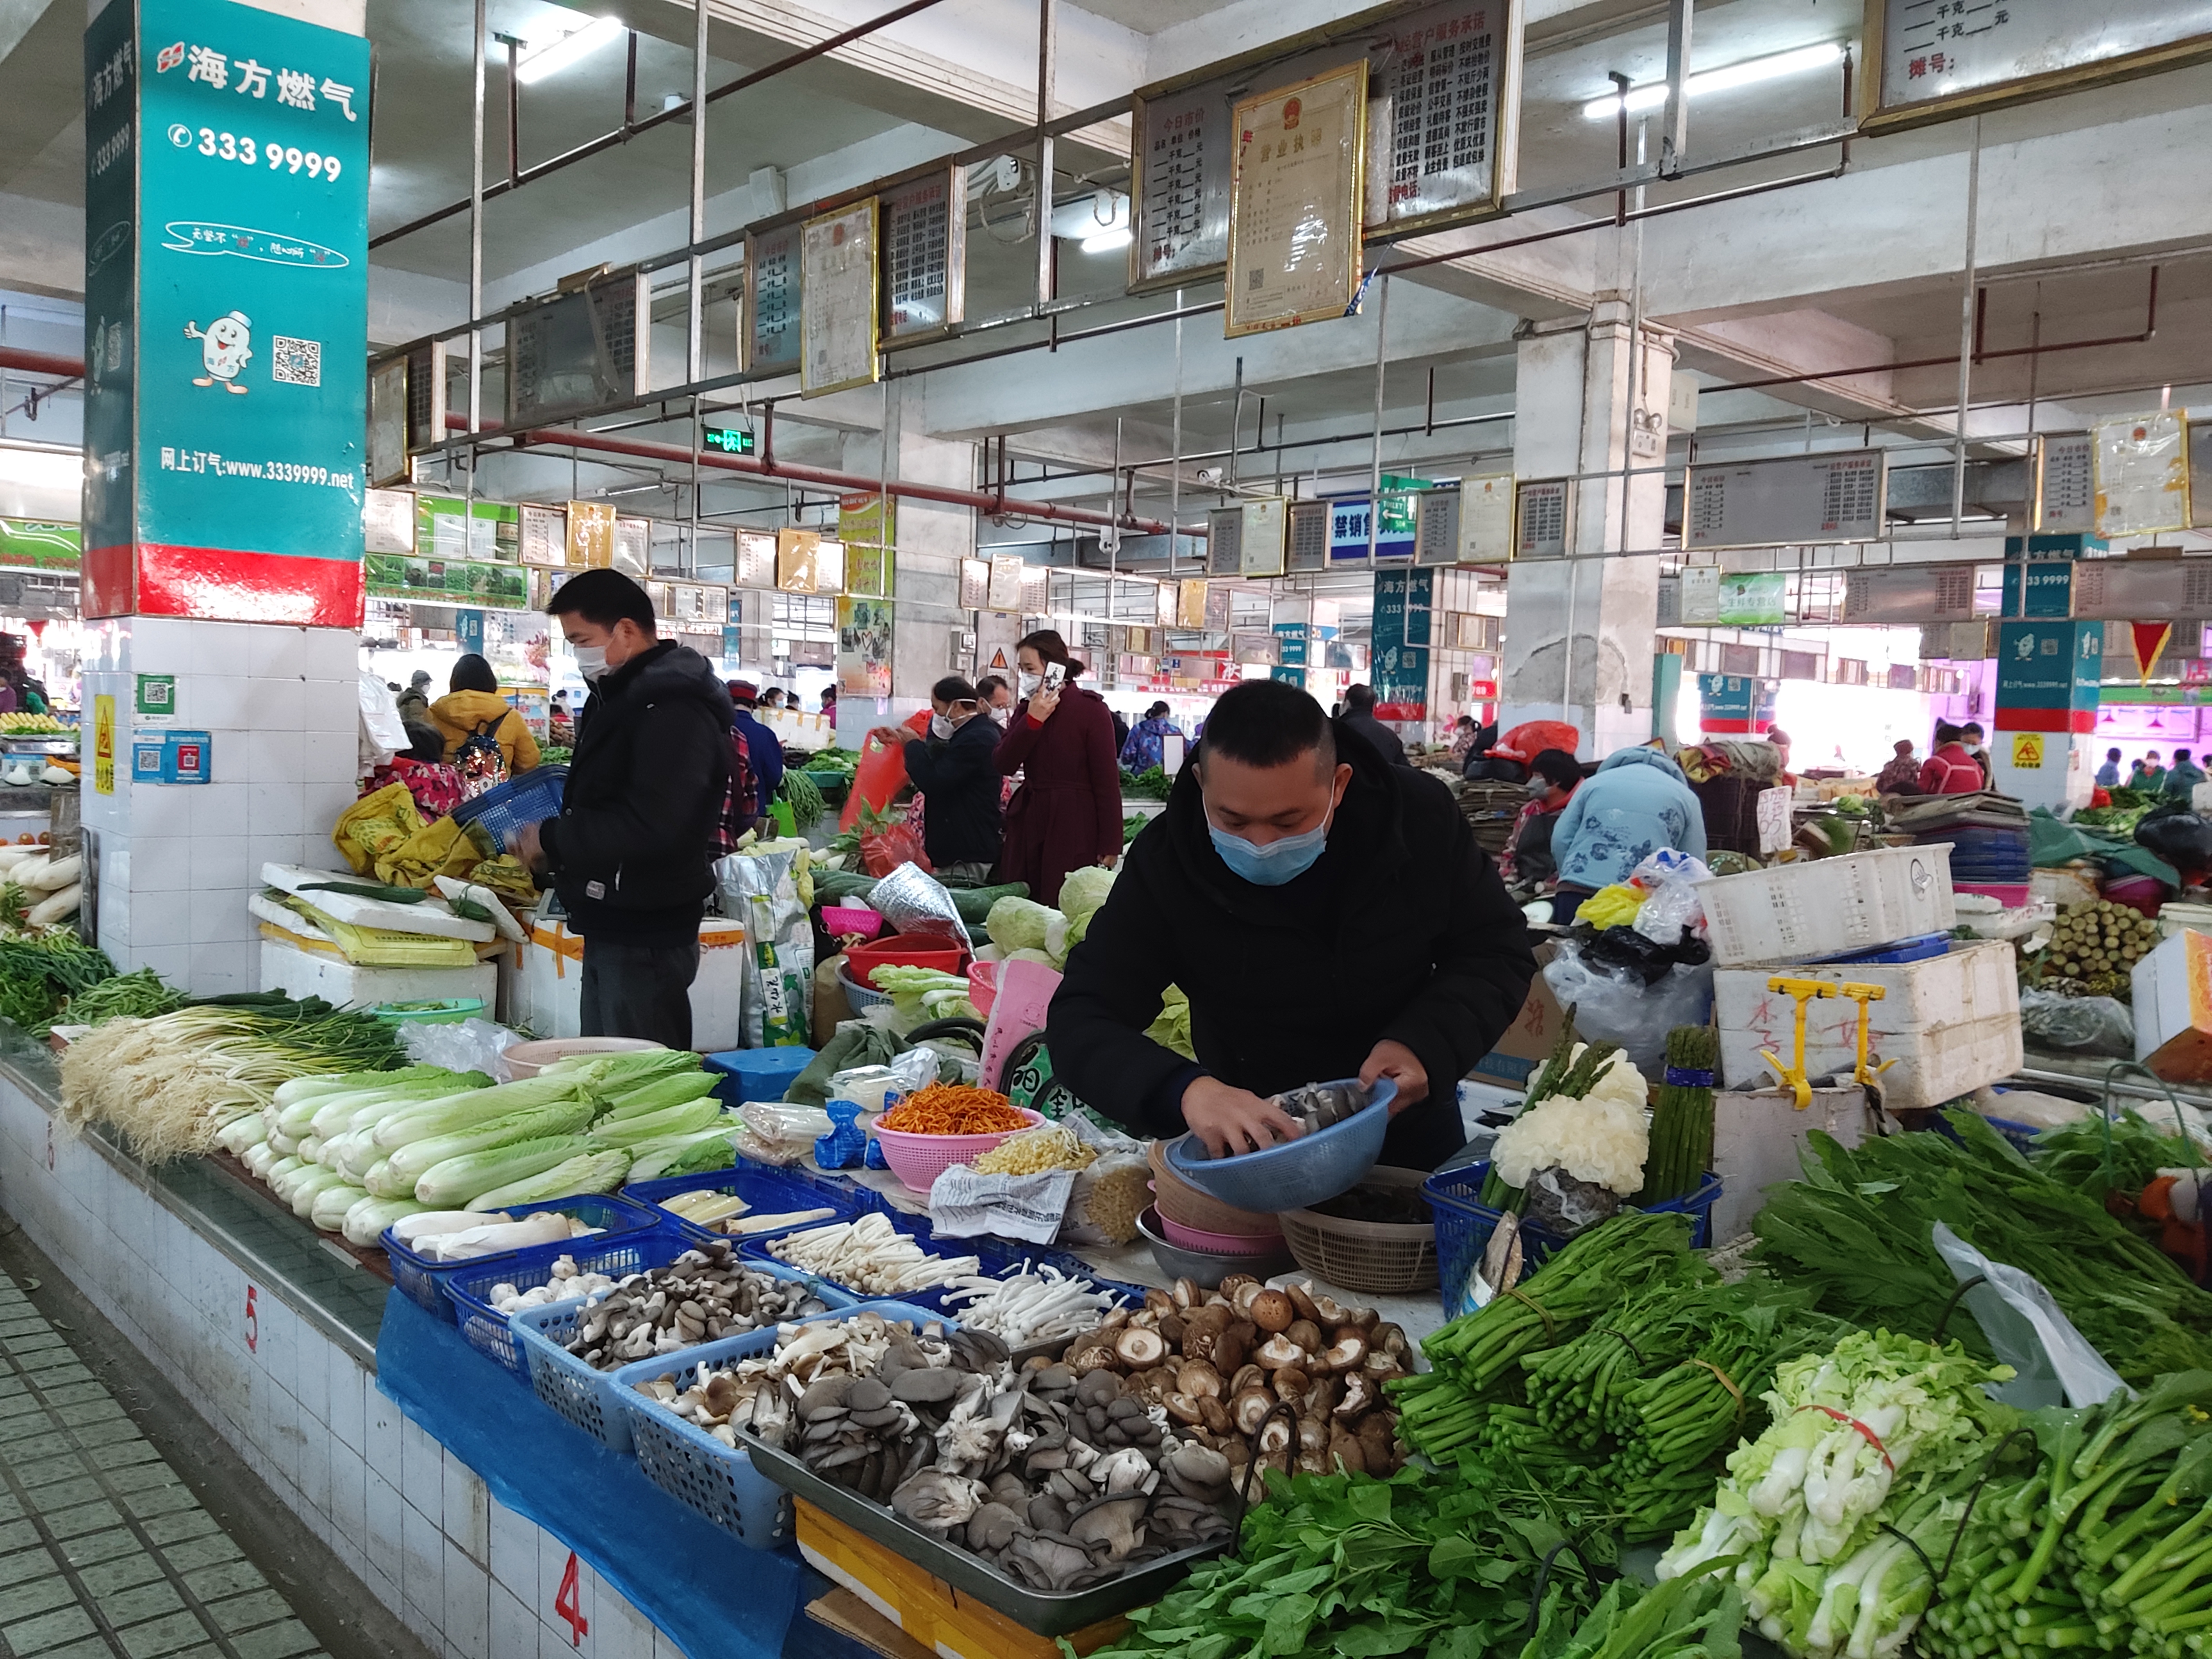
(1328, 915)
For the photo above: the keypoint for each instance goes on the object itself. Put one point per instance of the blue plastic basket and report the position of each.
(588, 1398)
(768, 1189)
(1911, 949)
(1464, 1224)
(531, 798)
(697, 1470)
(420, 1279)
(1297, 1174)
(486, 1329)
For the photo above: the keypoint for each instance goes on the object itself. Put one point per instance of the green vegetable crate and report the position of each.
(1464, 1223)
(441, 1011)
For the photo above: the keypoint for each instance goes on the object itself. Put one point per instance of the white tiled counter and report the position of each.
(271, 1339)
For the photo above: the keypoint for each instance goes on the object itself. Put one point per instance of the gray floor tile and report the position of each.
(249, 1612)
(160, 1500)
(122, 1453)
(284, 1641)
(39, 1596)
(135, 1606)
(86, 1517)
(161, 1636)
(120, 1574)
(202, 1552)
(50, 1629)
(99, 1546)
(166, 1529)
(224, 1578)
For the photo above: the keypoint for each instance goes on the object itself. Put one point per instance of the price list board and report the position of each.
(1181, 190)
(767, 331)
(1941, 58)
(1294, 218)
(837, 315)
(1450, 115)
(1543, 518)
(925, 234)
(2066, 484)
(1836, 497)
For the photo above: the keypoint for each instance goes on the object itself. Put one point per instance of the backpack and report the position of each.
(480, 761)
(741, 803)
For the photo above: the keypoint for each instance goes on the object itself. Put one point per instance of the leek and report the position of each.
(451, 1184)
(657, 1125)
(415, 1159)
(697, 1153)
(458, 1111)
(662, 1094)
(365, 1223)
(589, 1172)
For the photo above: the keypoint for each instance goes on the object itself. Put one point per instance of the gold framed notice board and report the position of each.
(1294, 219)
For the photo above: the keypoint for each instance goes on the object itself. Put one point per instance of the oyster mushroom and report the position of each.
(992, 1527)
(1114, 1524)
(1124, 1471)
(1197, 1472)
(936, 1501)
(1045, 1564)
(1047, 1513)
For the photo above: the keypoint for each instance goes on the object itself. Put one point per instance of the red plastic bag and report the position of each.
(883, 851)
(878, 776)
(1531, 738)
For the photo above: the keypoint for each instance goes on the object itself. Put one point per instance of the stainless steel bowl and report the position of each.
(1202, 1269)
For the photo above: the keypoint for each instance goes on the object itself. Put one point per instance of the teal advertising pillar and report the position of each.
(2048, 690)
(1398, 666)
(226, 314)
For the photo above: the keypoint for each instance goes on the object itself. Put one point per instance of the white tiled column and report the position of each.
(178, 861)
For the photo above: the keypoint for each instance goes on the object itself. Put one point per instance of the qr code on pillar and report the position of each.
(296, 362)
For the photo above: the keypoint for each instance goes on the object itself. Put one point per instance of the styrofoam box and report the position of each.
(541, 983)
(2173, 993)
(298, 973)
(1758, 1141)
(1950, 1023)
(1823, 907)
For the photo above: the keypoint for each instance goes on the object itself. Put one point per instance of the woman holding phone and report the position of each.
(1067, 812)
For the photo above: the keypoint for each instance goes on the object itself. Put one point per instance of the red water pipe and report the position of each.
(41, 363)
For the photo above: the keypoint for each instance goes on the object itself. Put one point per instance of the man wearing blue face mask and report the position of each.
(1327, 915)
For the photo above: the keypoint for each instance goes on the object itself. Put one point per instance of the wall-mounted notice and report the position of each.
(1835, 497)
(2065, 484)
(798, 568)
(837, 305)
(864, 646)
(544, 537)
(1486, 519)
(1005, 581)
(1294, 228)
(1224, 541)
(1165, 604)
(974, 584)
(1181, 190)
(1260, 548)
(1451, 76)
(924, 235)
(1699, 599)
(591, 535)
(2142, 473)
(767, 332)
(1543, 518)
(1307, 536)
(755, 558)
(1947, 57)
(2200, 475)
(1190, 604)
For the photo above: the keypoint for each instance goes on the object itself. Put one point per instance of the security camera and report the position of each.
(1209, 475)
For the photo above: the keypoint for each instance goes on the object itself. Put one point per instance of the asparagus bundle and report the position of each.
(1682, 1117)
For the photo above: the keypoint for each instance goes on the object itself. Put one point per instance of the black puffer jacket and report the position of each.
(628, 852)
(1401, 930)
(959, 782)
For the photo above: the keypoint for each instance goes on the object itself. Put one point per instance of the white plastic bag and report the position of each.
(383, 733)
(2028, 1331)
(777, 1133)
(1613, 1004)
(474, 1045)
(1671, 879)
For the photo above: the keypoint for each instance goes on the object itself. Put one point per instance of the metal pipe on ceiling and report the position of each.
(24, 360)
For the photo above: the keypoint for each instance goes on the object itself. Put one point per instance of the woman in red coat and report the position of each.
(1067, 812)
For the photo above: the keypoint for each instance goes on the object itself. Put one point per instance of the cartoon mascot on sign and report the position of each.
(224, 350)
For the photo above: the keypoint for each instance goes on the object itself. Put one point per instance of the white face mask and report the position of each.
(939, 726)
(1029, 684)
(591, 661)
(1000, 716)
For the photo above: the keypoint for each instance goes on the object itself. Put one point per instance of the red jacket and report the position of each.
(1951, 771)
(1067, 813)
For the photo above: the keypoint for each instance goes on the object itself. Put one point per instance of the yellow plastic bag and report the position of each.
(443, 848)
(375, 826)
(1613, 906)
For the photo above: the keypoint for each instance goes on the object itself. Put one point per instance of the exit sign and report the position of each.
(730, 440)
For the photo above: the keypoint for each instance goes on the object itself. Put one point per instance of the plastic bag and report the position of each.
(761, 889)
(1107, 1198)
(2028, 1331)
(912, 900)
(1614, 1005)
(876, 779)
(847, 1144)
(964, 1205)
(1670, 878)
(2085, 1025)
(2178, 835)
(474, 1045)
(1617, 906)
(774, 1131)
(883, 851)
(382, 732)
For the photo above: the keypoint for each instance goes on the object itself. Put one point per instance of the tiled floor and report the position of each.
(104, 1551)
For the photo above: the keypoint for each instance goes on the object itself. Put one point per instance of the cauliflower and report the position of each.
(1602, 1138)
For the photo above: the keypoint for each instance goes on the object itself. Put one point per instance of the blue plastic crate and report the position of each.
(699, 1471)
(531, 798)
(487, 1329)
(588, 1398)
(998, 1257)
(1464, 1223)
(757, 1073)
(768, 1189)
(420, 1279)
(1911, 949)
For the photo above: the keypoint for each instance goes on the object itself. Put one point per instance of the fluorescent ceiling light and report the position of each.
(1750, 73)
(557, 55)
(1094, 218)
(42, 468)
(1107, 240)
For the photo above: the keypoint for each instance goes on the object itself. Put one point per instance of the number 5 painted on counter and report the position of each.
(252, 1323)
(568, 1603)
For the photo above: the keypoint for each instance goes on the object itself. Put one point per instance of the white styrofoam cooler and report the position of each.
(541, 984)
(1758, 1141)
(299, 973)
(1950, 1023)
(1823, 907)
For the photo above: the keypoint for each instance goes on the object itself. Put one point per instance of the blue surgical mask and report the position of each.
(1283, 859)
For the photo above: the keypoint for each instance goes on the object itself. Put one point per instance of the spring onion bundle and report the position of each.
(39, 972)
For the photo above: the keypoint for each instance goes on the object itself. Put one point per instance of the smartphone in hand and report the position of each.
(1055, 674)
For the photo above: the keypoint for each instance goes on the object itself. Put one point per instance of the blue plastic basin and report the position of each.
(1294, 1174)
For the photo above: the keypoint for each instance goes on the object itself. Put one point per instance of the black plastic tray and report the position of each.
(1046, 1611)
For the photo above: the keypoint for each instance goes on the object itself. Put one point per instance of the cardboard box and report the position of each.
(541, 984)
(2173, 1008)
(1951, 1022)
(1528, 1041)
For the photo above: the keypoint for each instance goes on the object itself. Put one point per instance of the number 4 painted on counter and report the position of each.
(253, 1322)
(568, 1603)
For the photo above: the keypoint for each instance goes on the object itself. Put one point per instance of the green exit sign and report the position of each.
(730, 440)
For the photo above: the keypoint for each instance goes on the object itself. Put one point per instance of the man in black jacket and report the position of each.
(1327, 915)
(628, 853)
(1359, 716)
(956, 768)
